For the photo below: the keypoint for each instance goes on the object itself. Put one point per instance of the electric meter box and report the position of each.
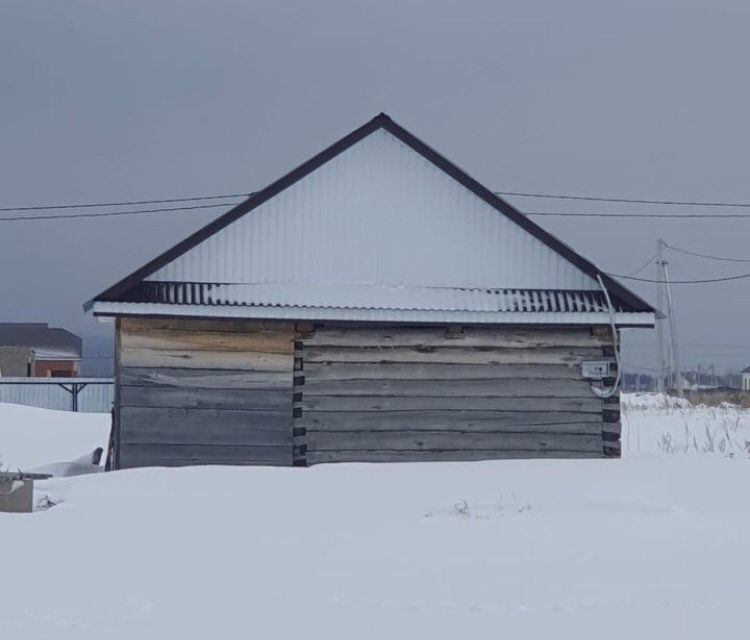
(599, 369)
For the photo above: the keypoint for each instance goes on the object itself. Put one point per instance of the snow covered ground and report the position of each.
(659, 424)
(653, 545)
(31, 437)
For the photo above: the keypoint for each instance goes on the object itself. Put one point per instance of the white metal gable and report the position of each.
(379, 214)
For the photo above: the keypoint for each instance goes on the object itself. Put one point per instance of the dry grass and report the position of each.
(712, 398)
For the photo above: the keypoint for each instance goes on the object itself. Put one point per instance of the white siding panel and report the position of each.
(382, 214)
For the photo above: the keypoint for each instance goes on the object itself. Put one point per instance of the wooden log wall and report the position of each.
(203, 392)
(380, 394)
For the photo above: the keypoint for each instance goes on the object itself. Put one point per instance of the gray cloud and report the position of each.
(124, 100)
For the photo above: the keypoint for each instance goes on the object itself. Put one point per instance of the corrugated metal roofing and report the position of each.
(381, 214)
(353, 296)
(377, 225)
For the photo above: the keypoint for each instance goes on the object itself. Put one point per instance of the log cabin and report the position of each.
(374, 304)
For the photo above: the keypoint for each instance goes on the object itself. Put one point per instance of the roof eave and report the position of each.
(340, 314)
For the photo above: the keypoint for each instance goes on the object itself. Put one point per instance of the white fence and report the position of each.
(91, 395)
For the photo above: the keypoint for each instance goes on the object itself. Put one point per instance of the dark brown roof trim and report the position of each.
(616, 290)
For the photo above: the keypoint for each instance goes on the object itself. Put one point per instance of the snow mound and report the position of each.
(644, 548)
(32, 437)
(653, 401)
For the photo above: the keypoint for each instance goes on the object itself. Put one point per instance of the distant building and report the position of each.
(38, 350)
(745, 379)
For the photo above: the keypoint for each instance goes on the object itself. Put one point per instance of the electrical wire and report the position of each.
(103, 214)
(61, 216)
(705, 255)
(645, 264)
(563, 214)
(557, 196)
(608, 393)
(704, 281)
(126, 203)
(680, 203)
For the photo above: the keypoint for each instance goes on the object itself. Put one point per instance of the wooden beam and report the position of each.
(207, 398)
(453, 355)
(239, 360)
(206, 378)
(141, 455)
(422, 403)
(467, 337)
(317, 457)
(498, 388)
(203, 420)
(451, 440)
(533, 421)
(437, 371)
(256, 341)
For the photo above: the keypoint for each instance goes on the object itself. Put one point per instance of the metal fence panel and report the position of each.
(90, 395)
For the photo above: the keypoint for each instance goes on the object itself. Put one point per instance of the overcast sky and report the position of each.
(144, 99)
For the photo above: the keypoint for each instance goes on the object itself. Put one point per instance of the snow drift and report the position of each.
(653, 545)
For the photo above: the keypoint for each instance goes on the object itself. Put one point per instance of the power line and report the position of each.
(564, 214)
(705, 255)
(681, 203)
(103, 214)
(90, 205)
(556, 196)
(62, 216)
(642, 267)
(707, 280)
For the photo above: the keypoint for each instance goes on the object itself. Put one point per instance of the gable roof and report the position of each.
(623, 299)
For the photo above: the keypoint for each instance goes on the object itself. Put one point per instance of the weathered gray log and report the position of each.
(450, 440)
(206, 344)
(454, 355)
(436, 371)
(422, 403)
(142, 325)
(453, 420)
(140, 455)
(223, 433)
(318, 457)
(202, 419)
(207, 398)
(501, 387)
(440, 337)
(205, 378)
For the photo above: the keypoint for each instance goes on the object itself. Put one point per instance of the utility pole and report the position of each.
(673, 332)
(660, 368)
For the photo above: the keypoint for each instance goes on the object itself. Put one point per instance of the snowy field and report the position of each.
(657, 424)
(653, 545)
